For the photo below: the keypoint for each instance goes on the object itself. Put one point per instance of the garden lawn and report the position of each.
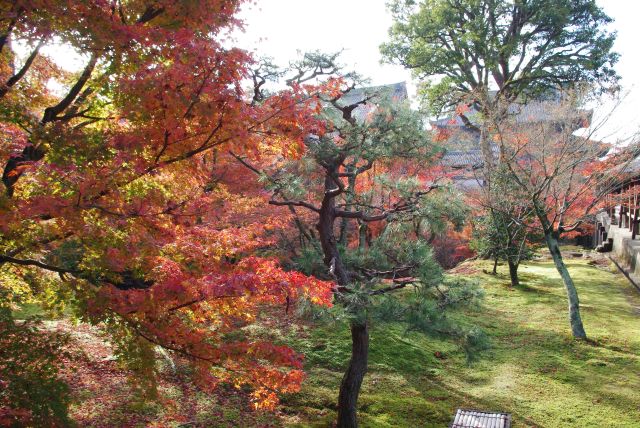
(533, 370)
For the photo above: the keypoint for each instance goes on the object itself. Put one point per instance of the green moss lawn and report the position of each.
(533, 369)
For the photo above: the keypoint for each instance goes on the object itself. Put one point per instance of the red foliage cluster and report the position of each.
(452, 249)
(128, 185)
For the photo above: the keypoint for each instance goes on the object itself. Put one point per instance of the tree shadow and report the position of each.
(596, 370)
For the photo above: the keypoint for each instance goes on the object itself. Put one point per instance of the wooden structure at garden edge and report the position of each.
(621, 203)
(467, 418)
(617, 225)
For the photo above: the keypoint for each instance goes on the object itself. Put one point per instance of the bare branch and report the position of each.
(36, 263)
(295, 204)
(20, 74)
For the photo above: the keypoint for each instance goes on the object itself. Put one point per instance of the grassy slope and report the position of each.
(534, 369)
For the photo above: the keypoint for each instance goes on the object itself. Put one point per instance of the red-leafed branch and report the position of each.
(20, 74)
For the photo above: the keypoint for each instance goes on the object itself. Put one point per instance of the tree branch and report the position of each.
(36, 263)
(399, 284)
(20, 74)
(295, 204)
(149, 13)
(51, 113)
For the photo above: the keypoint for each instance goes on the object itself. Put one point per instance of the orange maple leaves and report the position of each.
(136, 183)
(193, 315)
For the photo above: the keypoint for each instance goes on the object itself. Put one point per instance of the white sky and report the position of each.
(280, 28)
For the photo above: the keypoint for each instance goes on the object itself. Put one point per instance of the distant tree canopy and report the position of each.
(521, 48)
(491, 54)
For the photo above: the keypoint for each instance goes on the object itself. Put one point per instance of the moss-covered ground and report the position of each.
(533, 370)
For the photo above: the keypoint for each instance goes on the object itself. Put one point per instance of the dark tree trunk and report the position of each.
(343, 231)
(348, 198)
(328, 240)
(12, 172)
(513, 272)
(495, 266)
(362, 235)
(352, 379)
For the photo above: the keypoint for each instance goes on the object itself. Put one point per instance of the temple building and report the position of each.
(395, 92)
(463, 155)
(617, 225)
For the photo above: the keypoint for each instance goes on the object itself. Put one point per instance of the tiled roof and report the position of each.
(531, 112)
(461, 159)
(395, 92)
(478, 419)
(622, 173)
(629, 169)
(463, 145)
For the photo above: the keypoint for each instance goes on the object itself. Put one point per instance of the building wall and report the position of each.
(625, 250)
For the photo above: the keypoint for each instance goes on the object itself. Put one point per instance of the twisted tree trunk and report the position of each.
(352, 379)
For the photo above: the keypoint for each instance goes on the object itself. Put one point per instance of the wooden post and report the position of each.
(612, 208)
(625, 203)
(620, 225)
(630, 223)
(634, 229)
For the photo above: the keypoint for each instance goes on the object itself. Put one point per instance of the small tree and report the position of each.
(496, 238)
(365, 164)
(559, 174)
(504, 232)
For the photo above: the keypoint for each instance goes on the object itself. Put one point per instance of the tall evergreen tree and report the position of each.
(368, 163)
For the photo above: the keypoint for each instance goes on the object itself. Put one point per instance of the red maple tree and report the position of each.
(120, 192)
